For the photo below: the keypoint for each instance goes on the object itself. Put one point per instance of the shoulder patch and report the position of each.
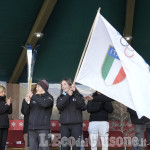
(50, 98)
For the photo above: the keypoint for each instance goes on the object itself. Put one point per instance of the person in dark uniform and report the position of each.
(139, 128)
(99, 106)
(40, 106)
(5, 109)
(70, 104)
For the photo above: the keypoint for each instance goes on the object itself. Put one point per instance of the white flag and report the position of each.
(112, 67)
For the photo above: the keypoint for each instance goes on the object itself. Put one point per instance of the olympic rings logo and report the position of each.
(129, 52)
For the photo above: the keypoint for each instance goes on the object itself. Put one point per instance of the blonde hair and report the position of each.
(2, 88)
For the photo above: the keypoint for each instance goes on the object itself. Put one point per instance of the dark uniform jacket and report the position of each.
(40, 108)
(99, 107)
(4, 111)
(134, 118)
(70, 108)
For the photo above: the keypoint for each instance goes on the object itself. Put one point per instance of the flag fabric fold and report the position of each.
(112, 67)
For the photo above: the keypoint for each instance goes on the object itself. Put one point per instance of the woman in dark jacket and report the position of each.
(70, 104)
(99, 106)
(5, 109)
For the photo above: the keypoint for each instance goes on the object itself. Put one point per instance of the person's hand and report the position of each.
(27, 99)
(73, 87)
(8, 101)
(70, 92)
(89, 98)
(29, 94)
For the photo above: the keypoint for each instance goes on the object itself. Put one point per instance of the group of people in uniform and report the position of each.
(37, 109)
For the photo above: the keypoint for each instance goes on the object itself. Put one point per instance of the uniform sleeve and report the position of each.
(80, 104)
(62, 102)
(108, 107)
(4, 108)
(43, 101)
(132, 112)
(10, 109)
(25, 109)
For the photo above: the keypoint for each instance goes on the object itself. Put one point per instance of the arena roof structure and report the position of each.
(65, 25)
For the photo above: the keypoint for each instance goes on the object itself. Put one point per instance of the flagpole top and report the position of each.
(99, 9)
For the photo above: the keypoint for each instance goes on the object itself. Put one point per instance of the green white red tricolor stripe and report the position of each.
(112, 70)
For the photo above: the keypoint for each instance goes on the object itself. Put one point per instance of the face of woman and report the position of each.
(2, 93)
(65, 86)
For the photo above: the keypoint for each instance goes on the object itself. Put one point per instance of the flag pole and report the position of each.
(86, 45)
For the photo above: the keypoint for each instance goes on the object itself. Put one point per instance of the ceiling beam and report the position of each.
(130, 5)
(38, 26)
